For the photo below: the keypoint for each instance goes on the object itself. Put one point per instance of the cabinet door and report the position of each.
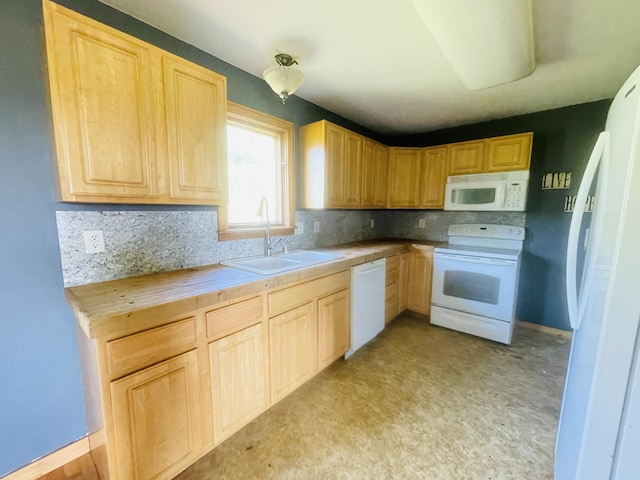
(403, 283)
(333, 327)
(156, 416)
(293, 349)
(510, 152)
(404, 178)
(419, 281)
(334, 166)
(238, 380)
(352, 170)
(195, 119)
(466, 157)
(103, 99)
(433, 177)
(392, 287)
(375, 163)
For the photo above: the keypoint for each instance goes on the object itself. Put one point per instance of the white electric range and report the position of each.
(475, 280)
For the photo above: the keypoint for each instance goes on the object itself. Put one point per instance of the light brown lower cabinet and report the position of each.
(156, 419)
(239, 373)
(165, 396)
(293, 349)
(392, 288)
(404, 281)
(419, 279)
(333, 327)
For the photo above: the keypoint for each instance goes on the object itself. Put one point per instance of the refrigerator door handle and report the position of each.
(574, 228)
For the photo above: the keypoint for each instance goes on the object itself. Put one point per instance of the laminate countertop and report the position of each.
(108, 308)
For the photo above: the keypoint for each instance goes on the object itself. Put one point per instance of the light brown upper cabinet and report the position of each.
(132, 123)
(404, 177)
(467, 157)
(417, 177)
(341, 169)
(375, 167)
(497, 154)
(507, 153)
(195, 118)
(433, 176)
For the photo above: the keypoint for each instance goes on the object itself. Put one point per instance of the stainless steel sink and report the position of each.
(281, 262)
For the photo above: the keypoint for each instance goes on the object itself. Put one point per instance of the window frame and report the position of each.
(246, 117)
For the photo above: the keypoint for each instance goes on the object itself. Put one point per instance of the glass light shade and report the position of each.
(283, 80)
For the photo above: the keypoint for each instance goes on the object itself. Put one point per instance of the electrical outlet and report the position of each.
(316, 227)
(422, 223)
(93, 241)
(299, 229)
(372, 223)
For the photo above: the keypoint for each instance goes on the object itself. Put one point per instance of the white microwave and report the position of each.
(506, 192)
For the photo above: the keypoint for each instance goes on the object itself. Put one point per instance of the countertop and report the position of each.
(106, 308)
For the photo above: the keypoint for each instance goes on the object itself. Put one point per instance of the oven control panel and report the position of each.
(505, 232)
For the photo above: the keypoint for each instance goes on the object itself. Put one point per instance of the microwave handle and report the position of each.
(501, 194)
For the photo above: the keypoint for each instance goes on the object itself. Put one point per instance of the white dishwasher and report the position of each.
(367, 303)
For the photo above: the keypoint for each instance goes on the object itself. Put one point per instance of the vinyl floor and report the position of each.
(418, 402)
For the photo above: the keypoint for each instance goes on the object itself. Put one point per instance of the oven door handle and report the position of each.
(480, 260)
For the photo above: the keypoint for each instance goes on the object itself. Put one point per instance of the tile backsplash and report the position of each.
(141, 242)
(404, 223)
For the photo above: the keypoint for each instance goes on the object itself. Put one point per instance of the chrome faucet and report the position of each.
(268, 246)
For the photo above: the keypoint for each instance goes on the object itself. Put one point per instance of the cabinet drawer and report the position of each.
(140, 350)
(232, 318)
(392, 262)
(288, 298)
(392, 289)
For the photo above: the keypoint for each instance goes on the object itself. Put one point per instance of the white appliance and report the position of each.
(599, 428)
(506, 192)
(475, 280)
(367, 303)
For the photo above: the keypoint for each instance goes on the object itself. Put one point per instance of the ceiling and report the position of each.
(376, 63)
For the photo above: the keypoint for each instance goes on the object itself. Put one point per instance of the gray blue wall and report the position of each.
(41, 405)
(562, 141)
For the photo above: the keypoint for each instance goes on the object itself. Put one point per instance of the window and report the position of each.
(260, 163)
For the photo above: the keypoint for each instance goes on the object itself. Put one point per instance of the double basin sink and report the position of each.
(281, 262)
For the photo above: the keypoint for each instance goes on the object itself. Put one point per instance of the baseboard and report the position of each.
(544, 329)
(54, 460)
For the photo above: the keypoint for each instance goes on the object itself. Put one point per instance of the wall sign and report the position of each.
(556, 181)
(570, 202)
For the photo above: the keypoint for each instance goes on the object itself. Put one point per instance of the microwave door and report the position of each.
(474, 196)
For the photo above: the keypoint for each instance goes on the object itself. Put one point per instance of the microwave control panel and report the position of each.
(514, 197)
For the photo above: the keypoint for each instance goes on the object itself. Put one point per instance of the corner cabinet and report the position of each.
(417, 177)
(132, 123)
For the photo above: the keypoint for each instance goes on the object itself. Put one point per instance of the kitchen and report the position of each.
(39, 350)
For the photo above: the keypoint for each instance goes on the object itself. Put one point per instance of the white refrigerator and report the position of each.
(599, 428)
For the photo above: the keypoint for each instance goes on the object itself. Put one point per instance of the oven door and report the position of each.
(478, 285)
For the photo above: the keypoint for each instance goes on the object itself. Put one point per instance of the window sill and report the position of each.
(245, 233)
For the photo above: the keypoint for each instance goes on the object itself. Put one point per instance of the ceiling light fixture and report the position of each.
(487, 43)
(284, 79)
